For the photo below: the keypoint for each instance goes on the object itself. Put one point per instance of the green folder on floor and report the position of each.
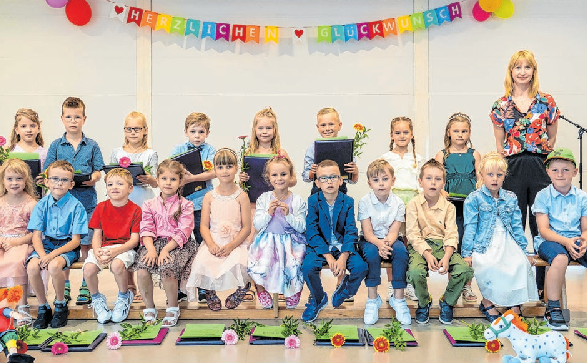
(201, 334)
(353, 335)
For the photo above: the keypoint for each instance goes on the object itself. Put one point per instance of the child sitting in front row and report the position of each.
(331, 233)
(116, 223)
(494, 243)
(381, 214)
(58, 223)
(433, 237)
(561, 215)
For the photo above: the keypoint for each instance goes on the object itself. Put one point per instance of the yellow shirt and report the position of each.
(437, 222)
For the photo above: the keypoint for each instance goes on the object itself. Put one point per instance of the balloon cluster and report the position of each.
(501, 8)
(78, 12)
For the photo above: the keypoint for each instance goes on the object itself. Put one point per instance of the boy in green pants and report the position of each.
(433, 237)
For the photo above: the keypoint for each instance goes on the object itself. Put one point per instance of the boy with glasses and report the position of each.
(331, 233)
(58, 223)
(85, 156)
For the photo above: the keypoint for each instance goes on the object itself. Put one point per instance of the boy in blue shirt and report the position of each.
(58, 222)
(84, 155)
(561, 216)
(331, 233)
(197, 129)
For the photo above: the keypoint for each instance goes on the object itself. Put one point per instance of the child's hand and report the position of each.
(432, 261)
(147, 179)
(225, 250)
(444, 193)
(340, 265)
(469, 260)
(45, 260)
(109, 255)
(92, 181)
(331, 263)
(212, 247)
(284, 208)
(163, 257)
(351, 168)
(40, 180)
(273, 206)
(150, 259)
(384, 250)
(313, 170)
(532, 260)
(583, 247)
(573, 248)
(443, 265)
(7, 243)
(243, 177)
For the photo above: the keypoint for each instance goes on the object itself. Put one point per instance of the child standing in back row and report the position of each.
(406, 167)
(461, 162)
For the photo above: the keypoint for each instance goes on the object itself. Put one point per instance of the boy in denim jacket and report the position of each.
(561, 216)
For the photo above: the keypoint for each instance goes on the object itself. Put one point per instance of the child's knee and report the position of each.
(90, 270)
(56, 266)
(416, 274)
(33, 267)
(560, 261)
(143, 274)
(117, 267)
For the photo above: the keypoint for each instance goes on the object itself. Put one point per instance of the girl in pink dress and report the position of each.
(17, 200)
(221, 261)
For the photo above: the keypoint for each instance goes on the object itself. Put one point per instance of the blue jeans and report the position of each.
(399, 262)
(312, 265)
(549, 250)
(197, 235)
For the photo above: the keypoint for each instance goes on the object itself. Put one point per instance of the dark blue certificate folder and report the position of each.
(339, 150)
(255, 165)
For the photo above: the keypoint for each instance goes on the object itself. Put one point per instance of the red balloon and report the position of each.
(78, 12)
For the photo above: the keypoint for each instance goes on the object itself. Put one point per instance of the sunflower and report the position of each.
(493, 346)
(358, 127)
(337, 340)
(381, 345)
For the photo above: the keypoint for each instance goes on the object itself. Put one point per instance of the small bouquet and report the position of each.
(394, 333)
(242, 151)
(242, 328)
(291, 331)
(3, 151)
(360, 135)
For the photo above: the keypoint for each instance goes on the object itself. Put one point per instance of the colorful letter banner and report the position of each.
(252, 33)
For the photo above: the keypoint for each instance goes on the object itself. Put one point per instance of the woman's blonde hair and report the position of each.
(518, 57)
(275, 142)
(455, 117)
(411, 126)
(143, 119)
(20, 167)
(174, 167)
(490, 161)
(31, 115)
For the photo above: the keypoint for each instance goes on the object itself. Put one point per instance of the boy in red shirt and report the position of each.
(116, 224)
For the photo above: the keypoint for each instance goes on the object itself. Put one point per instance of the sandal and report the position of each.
(27, 319)
(213, 300)
(150, 315)
(265, 299)
(249, 296)
(234, 300)
(485, 311)
(138, 298)
(84, 297)
(169, 321)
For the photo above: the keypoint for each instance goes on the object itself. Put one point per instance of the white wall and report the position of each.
(453, 67)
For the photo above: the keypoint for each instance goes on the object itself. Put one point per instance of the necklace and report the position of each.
(282, 198)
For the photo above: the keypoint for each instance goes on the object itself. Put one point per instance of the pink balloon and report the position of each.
(57, 3)
(480, 14)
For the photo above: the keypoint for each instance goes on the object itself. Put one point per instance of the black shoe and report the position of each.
(182, 296)
(44, 316)
(201, 296)
(20, 358)
(555, 319)
(60, 316)
(485, 311)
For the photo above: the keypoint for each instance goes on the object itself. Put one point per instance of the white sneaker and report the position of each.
(122, 307)
(402, 312)
(101, 311)
(372, 310)
(389, 291)
(410, 293)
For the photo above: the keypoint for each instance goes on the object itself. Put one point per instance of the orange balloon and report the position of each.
(490, 5)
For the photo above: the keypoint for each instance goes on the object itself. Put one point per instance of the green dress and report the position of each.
(460, 173)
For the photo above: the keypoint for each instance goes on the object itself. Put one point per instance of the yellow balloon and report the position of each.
(506, 9)
(490, 5)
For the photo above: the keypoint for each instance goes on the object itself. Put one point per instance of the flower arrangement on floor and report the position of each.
(320, 330)
(360, 135)
(242, 328)
(229, 337)
(291, 331)
(243, 149)
(381, 344)
(394, 333)
(477, 331)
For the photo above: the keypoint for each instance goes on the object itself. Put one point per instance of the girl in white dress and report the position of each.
(494, 243)
(136, 149)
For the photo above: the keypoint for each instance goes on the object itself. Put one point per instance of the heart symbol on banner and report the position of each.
(299, 33)
(118, 9)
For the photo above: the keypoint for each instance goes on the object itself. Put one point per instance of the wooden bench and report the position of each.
(461, 310)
